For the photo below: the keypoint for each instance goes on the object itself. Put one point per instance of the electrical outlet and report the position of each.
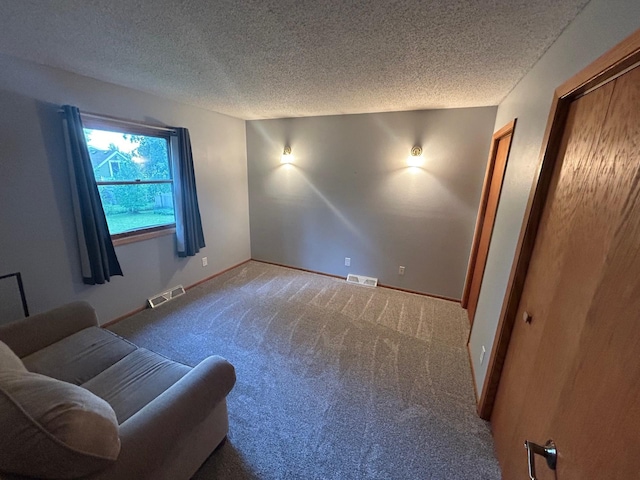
(401, 270)
(347, 261)
(482, 355)
(205, 261)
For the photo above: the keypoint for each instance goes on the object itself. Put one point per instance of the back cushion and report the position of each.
(53, 429)
(9, 360)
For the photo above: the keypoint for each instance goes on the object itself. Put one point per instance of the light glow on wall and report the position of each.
(287, 156)
(415, 159)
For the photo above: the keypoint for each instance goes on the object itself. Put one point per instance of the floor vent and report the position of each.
(362, 280)
(164, 297)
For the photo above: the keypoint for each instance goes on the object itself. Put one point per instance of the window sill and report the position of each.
(125, 238)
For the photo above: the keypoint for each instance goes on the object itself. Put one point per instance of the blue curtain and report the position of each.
(97, 256)
(188, 223)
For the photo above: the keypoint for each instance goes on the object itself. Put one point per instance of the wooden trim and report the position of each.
(415, 292)
(299, 268)
(484, 200)
(620, 57)
(122, 317)
(199, 282)
(524, 249)
(440, 297)
(221, 272)
(616, 60)
(138, 310)
(143, 234)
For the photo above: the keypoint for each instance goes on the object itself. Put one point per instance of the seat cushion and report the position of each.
(9, 360)
(79, 357)
(53, 429)
(135, 380)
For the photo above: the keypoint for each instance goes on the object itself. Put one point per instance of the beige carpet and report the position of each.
(335, 381)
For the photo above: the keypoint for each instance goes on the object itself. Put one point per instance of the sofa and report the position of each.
(78, 401)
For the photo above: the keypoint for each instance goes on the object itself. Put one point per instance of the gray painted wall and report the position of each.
(37, 230)
(601, 25)
(349, 193)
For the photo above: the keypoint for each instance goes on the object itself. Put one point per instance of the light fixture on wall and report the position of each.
(415, 159)
(287, 156)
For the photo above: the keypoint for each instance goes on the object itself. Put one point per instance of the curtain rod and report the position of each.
(96, 116)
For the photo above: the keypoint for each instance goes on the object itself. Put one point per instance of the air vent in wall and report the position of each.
(362, 280)
(164, 297)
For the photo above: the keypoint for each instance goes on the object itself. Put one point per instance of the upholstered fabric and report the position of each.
(53, 429)
(33, 333)
(79, 357)
(171, 417)
(170, 437)
(9, 360)
(135, 381)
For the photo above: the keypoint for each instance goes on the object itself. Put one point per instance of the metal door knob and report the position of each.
(548, 451)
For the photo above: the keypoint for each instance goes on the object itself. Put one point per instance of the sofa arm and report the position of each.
(33, 333)
(166, 424)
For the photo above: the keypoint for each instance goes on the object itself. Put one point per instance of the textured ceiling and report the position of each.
(268, 59)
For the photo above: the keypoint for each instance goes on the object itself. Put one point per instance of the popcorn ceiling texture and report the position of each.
(289, 58)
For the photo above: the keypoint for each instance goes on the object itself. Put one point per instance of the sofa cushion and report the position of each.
(135, 381)
(53, 429)
(9, 360)
(79, 357)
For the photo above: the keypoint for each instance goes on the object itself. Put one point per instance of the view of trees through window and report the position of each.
(134, 179)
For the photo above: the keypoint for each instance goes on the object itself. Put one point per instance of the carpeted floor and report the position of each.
(335, 381)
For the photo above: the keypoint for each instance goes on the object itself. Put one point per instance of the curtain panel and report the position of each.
(97, 256)
(189, 232)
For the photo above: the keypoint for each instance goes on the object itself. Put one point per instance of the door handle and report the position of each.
(548, 451)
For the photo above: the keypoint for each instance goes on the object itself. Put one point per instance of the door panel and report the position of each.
(585, 235)
(541, 286)
(493, 198)
(606, 370)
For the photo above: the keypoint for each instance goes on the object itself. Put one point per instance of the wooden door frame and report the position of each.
(482, 210)
(605, 68)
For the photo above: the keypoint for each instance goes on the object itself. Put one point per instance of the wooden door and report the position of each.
(572, 374)
(499, 152)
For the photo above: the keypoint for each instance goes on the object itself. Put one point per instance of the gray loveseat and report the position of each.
(77, 401)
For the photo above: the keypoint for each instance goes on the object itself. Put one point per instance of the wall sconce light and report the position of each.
(415, 159)
(287, 157)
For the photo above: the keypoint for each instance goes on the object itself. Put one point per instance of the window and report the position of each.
(114, 167)
(132, 168)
